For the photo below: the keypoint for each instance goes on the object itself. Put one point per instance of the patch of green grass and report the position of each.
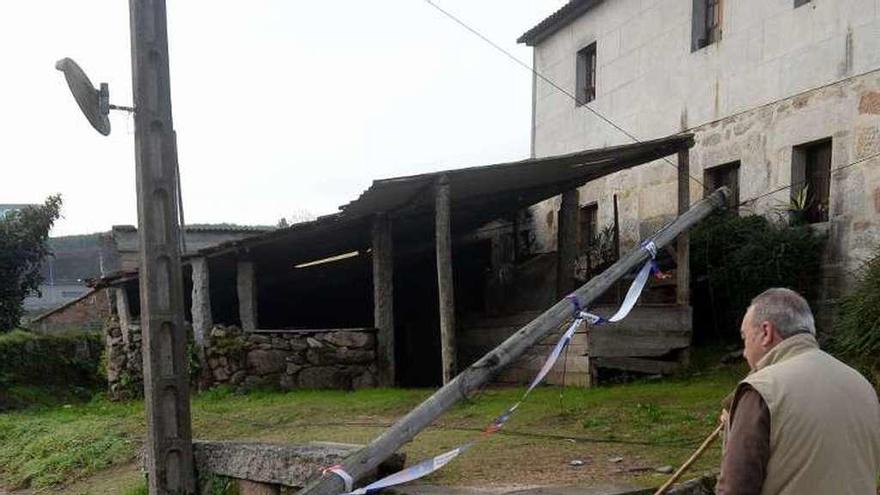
(648, 422)
(140, 489)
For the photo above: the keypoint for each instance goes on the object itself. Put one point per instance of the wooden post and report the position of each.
(567, 242)
(169, 457)
(443, 241)
(202, 320)
(246, 285)
(383, 297)
(682, 248)
(123, 312)
(366, 459)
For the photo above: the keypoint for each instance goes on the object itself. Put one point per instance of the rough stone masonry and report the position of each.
(320, 359)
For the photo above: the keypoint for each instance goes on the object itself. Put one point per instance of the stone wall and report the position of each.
(87, 313)
(344, 359)
(124, 360)
(332, 359)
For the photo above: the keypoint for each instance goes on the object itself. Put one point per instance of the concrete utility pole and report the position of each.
(166, 376)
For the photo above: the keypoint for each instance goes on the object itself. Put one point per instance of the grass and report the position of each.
(649, 423)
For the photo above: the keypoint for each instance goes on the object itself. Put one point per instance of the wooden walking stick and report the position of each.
(687, 464)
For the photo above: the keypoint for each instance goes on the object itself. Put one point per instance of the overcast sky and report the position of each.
(280, 106)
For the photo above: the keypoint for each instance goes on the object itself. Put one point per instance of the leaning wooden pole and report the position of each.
(479, 373)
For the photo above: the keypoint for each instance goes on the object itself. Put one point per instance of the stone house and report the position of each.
(780, 95)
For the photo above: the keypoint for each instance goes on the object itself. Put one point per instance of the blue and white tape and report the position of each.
(433, 464)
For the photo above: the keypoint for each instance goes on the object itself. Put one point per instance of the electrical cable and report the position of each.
(552, 84)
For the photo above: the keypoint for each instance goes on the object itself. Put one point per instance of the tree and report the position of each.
(23, 246)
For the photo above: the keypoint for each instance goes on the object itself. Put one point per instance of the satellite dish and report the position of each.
(94, 103)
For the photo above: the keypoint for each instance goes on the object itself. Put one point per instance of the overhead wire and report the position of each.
(549, 81)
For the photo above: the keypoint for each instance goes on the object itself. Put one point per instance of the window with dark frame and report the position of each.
(705, 23)
(723, 175)
(811, 180)
(588, 228)
(586, 74)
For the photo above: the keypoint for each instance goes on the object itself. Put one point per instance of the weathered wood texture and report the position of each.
(202, 320)
(682, 244)
(278, 464)
(123, 312)
(246, 286)
(649, 331)
(445, 285)
(484, 369)
(383, 298)
(478, 336)
(166, 374)
(567, 242)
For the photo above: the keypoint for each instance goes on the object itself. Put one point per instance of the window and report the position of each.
(798, 3)
(811, 180)
(586, 75)
(723, 175)
(705, 23)
(588, 228)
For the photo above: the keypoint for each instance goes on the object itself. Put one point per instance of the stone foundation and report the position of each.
(304, 359)
(343, 359)
(124, 361)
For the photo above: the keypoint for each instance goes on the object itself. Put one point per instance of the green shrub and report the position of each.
(33, 359)
(734, 258)
(857, 326)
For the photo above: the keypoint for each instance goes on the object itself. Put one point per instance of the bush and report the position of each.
(857, 326)
(33, 359)
(734, 258)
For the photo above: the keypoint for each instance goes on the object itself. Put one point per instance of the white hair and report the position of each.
(786, 309)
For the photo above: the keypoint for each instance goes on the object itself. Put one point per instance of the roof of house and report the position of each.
(478, 195)
(556, 21)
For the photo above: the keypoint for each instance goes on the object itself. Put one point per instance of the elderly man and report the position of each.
(802, 422)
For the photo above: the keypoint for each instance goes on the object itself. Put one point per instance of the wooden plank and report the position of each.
(445, 285)
(682, 249)
(489, 365)
(567, 239)
(637, 364)
(202, 321)
(383, 298)
(246, 286)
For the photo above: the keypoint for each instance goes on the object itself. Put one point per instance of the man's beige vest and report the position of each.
(824, 422)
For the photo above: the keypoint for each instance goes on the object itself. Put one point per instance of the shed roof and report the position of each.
(481, 194)
(478, 195)
(556, 21)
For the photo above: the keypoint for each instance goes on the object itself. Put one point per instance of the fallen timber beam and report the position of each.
(479, 373)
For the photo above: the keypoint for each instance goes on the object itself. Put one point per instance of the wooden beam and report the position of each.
(567, 242)
(383, 298)
(123, 312)
(683, 289)
(202, 319)
(476, 375)
(246, 285)
(445, 284)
